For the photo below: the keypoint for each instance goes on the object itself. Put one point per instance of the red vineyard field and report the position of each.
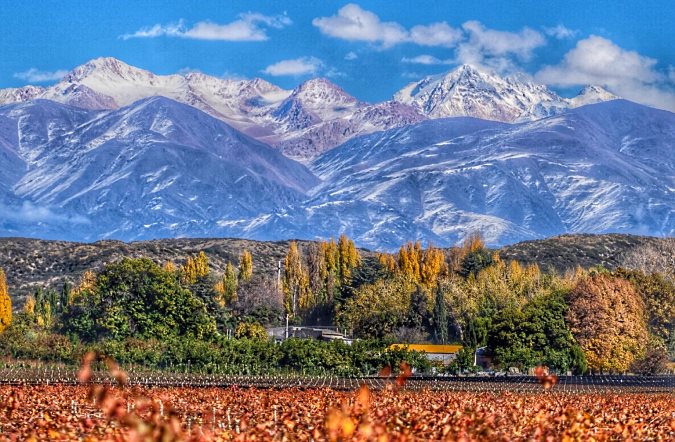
(393, 413)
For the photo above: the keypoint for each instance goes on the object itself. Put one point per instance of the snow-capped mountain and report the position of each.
(20, 94)
(315, 116)
(160, 168)
(155, 168)
(471, 92)
(319, 115)
(304, 122)
(592, 94)
(608, 167)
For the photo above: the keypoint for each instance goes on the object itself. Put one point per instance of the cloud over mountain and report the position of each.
(597, 60)
(250, 26)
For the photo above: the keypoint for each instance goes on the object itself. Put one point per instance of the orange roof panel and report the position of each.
(428, 348)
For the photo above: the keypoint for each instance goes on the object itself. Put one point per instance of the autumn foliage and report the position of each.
(233, 414)
(5, 303)
(607, 317)
(314, 278)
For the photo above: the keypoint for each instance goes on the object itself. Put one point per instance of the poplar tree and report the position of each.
(195, 268)
(230, 284)
(245, 266)
(295, 280)
(5, 303)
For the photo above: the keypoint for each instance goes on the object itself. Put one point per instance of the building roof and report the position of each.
(428, 348)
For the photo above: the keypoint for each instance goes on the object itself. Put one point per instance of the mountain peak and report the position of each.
(108, 66)
(473, 92)
(592, 94)
(321, 90)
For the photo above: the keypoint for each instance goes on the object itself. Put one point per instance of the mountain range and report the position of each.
(114, 151)
(315, 116)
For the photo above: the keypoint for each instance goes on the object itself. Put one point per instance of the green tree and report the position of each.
(226, 288)
(136, 297)
(535, 335)
(440, 317)
(65, 298)
(376, 310)
(475, 261)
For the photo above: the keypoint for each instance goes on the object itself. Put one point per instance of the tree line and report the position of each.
(588, 319)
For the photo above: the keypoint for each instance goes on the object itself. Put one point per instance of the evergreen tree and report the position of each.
(440, 317)
(65, 299)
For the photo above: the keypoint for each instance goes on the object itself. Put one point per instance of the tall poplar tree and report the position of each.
(5, 303)
(245, 266)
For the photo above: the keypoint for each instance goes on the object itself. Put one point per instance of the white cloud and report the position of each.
(354, 23)
(295, 67)
(188, 70)
(351, 55)
(561, 32)
(597, 60)
(435, 34)
(34, 75)
(250, 26)
(426, 59)
(497, 50)
(483, 42)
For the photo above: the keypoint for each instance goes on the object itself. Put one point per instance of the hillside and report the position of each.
(565, 252)
(30, 263)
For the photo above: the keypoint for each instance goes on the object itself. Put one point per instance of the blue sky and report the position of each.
(370, 48)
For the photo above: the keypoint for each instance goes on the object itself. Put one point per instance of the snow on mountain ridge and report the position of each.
(161, 168)
(592, 94)
(157, 167)
(601, 168)
(468, 91)
(317, 115)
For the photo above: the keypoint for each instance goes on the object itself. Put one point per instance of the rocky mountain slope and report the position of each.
(155, 168)
(608, 167)
(159, 168)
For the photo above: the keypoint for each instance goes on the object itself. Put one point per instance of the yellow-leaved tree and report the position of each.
(607, 318)
(245, 266)
(195, 268)
(226, 288)
(349, 259)
(422, 266)
(5, 303)
(295, 281)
